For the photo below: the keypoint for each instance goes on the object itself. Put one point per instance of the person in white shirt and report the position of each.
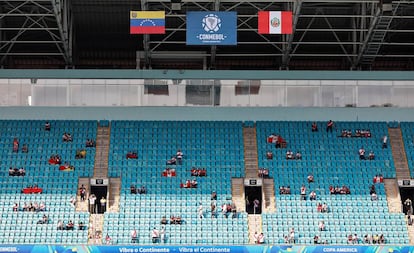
(200, 211)
(384, 141)
(292, 236)
(303, 192)
(256, 238)
(155, 235)
(179, 156)
(134, 236)
(312, 195)
(321, 225)
(162, 234)
(362, 153)
(261, 238)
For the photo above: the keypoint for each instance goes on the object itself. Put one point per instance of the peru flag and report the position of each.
(275, 22)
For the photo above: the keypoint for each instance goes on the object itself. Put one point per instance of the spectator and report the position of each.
(314, 127)
(47, 126)
(256, 206)
(155, 235)
(362, 153)
(133, 189)
(408, 206)
(15, 145)
(213, 209)
(381, 239)
(15, 207)
(256, 238)
(233, 210)
(261, 238)
(374, 196)
(73, 201)
(134, 236)
(263, 173)
(291, 236)
(409, 220)
(164, 220)
(70, 225)
(81, 226)
(172, 161)
(312, 195)
(108, 239)
(316, 239)
(289, 155)
(82, 192)
(298, 155)
(200, 211)
(60, 225)
(310, 178)
(92, 199)
(269, 155)
(371, 155)
(303, 192)
(329, 126)
(213, 195)
(162, 234)
(132, 155)
(80, 154)
(42, 207)
(90, 143)
(384, 141)
(179, 157)
(103, 204)
(25, 149)
(142, 190)
(44, 220)
(368, 238)
(324, 208)
(67, 137)
(321, 225)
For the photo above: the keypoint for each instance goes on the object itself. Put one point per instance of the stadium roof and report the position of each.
(328, 35)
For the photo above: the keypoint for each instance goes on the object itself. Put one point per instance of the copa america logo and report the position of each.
(211, 23)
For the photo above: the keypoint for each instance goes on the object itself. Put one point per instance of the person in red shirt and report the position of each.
(15, 145)
(329, 126)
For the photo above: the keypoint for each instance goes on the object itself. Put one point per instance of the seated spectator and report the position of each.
(142, 190)
(213, 196)
(312, 195)
(15, 145)
(132, 155)
(331, 189)
(362, 153)
(67, 137)
(289, 155)
(233, 210)
(179, 156)
(261, 238)
(384, 141)
(263, 173)
(269, 155)
(66, 167)
(272, 138)
(164, 220)
(316, 239)
(70, 225)
(47, 126)
(280, 142)
(375, 239)
(55, 159)
(15, 207)
(133, 189)
(355, 239)
(60, 225)
(378, 179)
(44, 220)
(381, 239)
(314, 127)
(349, 239)
(81, 226)
(366, 133)
(310, 178)
(195, 172)
(169, 172)
(321, 225)
(358, 133)
(42, 207)
(32, 190)
(324, 208)
(22, 172)
(303, 192)
(368, 238)
(90, 143)
(72, 201)
(298, 155)
(172, 161)
(345, 190)
(371, 155)
(80, 154)
(372, 189)
(25, 149)
(176, 220)
(374, 196)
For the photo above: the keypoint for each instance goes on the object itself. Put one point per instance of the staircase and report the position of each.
(82, 206)
(398, 153)
(237, 193)
(410, 233)
(95, 229)
(269, 199)
(393, 195)
(102, 151)
(250, 152)
(114, 194)
(254, 222)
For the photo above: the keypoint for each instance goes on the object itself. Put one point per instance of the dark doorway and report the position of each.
(407, 199)
(253, 193)
(99, 191)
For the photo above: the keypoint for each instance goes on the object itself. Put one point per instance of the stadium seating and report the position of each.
(332, 161)
(407, 130)
(215, 146)
(58, 186)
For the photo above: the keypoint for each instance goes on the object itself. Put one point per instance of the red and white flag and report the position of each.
(275, 22)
